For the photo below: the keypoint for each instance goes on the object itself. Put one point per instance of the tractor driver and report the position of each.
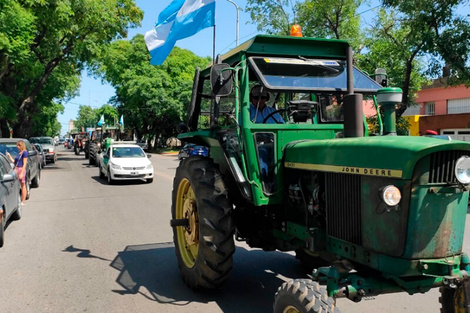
(258, 109)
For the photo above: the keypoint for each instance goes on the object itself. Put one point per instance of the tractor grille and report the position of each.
(442, 165)
(343, 205)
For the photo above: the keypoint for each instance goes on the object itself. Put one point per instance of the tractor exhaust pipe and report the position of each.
(352, 105)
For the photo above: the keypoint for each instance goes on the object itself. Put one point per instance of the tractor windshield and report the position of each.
(309, 74)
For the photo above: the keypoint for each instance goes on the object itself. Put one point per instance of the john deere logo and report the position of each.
(382, 172)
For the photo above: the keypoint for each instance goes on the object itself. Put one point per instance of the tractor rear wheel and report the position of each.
(453, 299)
(303, 296)
(202, 223)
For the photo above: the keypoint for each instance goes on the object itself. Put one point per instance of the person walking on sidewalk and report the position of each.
(20, 162)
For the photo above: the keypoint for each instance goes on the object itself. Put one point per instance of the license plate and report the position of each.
(134, 173)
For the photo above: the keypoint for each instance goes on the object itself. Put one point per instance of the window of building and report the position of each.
(430, 108)
(456, 106)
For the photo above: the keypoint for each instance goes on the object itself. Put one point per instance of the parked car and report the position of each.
(33, 167)
(125, 162)
(48, 146)
(192, 149)
(10, 195)
(42, 154)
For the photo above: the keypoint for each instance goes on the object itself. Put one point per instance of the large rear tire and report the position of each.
(36, 179)
(303, 296)
(453, 299)
(205, 246)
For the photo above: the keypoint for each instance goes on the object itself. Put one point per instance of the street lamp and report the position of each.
(236, 7)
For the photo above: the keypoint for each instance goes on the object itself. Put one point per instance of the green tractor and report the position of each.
(369, 214)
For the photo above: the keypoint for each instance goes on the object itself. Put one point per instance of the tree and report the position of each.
(67, 35)
(430, 28)
(331, 19)
(389, 46)
(87, 117)
(271, 16)
(46, 123)
(153, 99)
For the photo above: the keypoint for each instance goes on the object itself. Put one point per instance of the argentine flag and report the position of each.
(101, 121)
(121, 120)
(181, 19)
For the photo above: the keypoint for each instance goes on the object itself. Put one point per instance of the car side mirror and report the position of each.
(149, 156)
(8, 178)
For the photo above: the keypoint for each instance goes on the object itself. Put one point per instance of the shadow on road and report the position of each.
(83, 253)
(255, 277)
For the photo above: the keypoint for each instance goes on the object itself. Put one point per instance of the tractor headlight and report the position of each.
(462, 169)
(391, 195)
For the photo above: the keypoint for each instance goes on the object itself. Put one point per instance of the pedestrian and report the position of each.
(20, 162)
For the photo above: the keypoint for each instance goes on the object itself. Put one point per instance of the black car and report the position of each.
(33, 167)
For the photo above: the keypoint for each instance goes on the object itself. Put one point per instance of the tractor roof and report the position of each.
(268, 45)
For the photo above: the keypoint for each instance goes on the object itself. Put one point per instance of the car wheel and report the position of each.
(17, 215)
(150, 180)
(35, 181)
(110, 180)
(28, 187)
(2, 229)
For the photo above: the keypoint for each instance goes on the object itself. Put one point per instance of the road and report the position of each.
(85, 246)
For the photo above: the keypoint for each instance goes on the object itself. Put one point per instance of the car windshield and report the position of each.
(9, 147)
(128, 152)
(48, 141)
(309, 74)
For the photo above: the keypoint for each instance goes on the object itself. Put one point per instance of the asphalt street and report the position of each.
(85, 246)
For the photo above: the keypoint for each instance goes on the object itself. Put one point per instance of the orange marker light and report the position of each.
(296, 31)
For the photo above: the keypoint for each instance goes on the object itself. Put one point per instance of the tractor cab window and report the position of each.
(331, 108)
(265, 147)
(308, 74)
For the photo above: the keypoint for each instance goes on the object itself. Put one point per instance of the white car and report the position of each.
(125, 162)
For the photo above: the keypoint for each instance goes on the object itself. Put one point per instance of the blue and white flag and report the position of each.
(179, 20)
(101, 121)
(121, 120)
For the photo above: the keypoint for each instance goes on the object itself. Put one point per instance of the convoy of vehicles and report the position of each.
(369, 214)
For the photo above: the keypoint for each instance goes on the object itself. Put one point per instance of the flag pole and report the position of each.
(213, 45)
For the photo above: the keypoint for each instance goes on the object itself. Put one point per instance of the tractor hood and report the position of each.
(386, 156)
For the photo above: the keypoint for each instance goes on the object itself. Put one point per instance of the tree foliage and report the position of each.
(153, 99)
(58, 39)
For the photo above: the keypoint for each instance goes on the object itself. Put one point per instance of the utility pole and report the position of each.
(236, 7)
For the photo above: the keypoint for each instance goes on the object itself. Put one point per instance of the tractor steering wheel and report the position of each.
(271, 114)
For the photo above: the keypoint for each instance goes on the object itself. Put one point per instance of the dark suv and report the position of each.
(33, 167)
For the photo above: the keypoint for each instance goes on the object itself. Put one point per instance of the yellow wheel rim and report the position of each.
(290, 309)
(459, 300)
(188, 236)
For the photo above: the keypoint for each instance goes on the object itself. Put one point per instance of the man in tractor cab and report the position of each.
(258, 109)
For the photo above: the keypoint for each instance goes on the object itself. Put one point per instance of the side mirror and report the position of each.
(221, 79)
(8, 178)
(182, 128)
(149, 156)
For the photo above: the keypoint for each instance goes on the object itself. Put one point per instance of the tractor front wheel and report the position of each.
(202, 223)
(453, 299)
(303, 296)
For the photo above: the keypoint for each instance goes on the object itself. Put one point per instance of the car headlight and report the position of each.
(391, 195)
(115, 166)
(462, 169)
(149, 167)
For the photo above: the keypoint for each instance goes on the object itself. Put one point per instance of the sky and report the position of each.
(95, 93)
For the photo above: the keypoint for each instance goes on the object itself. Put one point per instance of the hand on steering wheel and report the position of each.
(271, 114)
